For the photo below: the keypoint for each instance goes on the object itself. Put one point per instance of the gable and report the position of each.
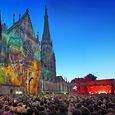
(23, 26)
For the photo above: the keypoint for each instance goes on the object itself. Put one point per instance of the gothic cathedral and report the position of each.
(47, 54)
(22, 57)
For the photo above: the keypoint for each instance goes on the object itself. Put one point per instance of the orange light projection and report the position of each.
(99, 89)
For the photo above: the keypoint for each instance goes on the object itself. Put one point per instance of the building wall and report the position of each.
(57, 87)
(22, 55)
(8, 89)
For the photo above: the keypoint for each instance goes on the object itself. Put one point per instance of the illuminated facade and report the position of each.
(24, 61)
(82, 86)
(20, 54)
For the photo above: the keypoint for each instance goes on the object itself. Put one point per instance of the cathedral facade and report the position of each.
(24, 60)
(23, 57)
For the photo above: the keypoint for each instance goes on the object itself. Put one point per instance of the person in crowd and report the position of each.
(6, 111)
(58, 104)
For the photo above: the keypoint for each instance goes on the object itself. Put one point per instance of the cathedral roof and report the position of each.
(24, 24)
(59, 79)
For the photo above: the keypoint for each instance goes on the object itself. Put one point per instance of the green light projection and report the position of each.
(20, 56)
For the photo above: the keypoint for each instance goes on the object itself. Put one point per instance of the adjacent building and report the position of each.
(88, 86)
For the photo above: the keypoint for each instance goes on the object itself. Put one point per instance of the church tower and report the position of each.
(1, 48)
(0, 27)
(2, 44)
(47, 54)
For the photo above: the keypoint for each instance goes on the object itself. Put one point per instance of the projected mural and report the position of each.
(20, 55)
(23, 59)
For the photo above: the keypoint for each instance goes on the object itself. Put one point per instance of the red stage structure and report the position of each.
(83, 86)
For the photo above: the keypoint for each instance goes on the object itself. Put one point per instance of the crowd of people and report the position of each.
(58, 104)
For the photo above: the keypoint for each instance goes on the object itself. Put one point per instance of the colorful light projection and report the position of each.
(21, 64)
(99, 89)
(11, 75)
(93, 87)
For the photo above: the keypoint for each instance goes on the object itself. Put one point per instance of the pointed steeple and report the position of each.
(27, 11)
(13, 18)
(38, 37)
(46, 33)
(19, 16)
(0, 26)
(46, 14)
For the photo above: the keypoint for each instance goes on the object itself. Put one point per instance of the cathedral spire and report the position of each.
(46, 14)
(19, 16)
(0, 26)
(27, 11)
(38, 37)
(46, 33)
(47, 54)
(13, 18)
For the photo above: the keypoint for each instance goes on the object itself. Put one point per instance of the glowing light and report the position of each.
(99, 89)
(75, 87)
(19, 92)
